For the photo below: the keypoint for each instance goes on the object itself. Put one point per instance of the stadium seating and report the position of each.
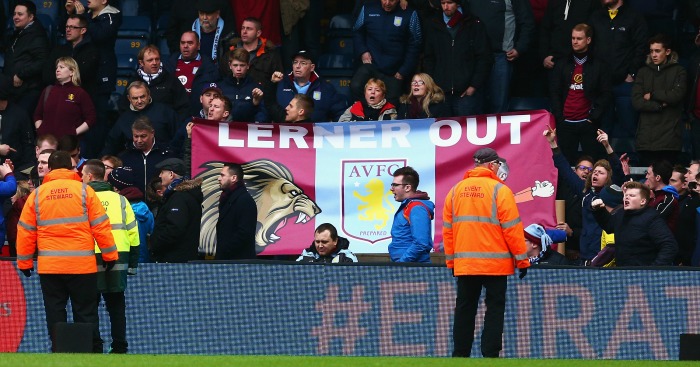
(339, 39)
(129, 8)
(160, 40)
(135, 27)
(129, 46)
(126, 65)
(48, 8)
(50, 26)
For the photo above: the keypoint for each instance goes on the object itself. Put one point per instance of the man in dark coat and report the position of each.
(458, 56)
(143, 153)
(175, 237)
(642, 238)
(25, 56)
(235, 230)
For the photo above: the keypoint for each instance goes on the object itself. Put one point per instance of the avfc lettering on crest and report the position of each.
(368, 205)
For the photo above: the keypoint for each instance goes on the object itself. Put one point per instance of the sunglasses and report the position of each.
(585, 168)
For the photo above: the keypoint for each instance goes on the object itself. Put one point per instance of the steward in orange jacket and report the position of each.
(482, 232)
(484, 240)
(63, 218)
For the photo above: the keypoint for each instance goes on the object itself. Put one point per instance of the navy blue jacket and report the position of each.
(144, 167)
(328, 104)
(163, 119)
(103, 32)
(207, 73)
(240, 92)
(393, 38)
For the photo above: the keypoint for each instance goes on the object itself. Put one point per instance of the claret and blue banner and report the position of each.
(302, 175)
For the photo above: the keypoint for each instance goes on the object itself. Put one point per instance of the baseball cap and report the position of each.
(485, 155)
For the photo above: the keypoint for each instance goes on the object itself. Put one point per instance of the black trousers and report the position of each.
(81, 289)
(570, 134)
(115, 303)
(468, 294)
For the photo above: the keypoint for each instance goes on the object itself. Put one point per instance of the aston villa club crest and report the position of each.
(71, 96)
(368, 205)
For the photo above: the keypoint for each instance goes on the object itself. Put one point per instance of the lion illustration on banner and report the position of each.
(278, 200)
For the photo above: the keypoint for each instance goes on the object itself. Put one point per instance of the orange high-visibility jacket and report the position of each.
(482, 232)
(64, 218)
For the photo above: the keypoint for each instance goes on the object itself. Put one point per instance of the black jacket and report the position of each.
(596, 86)
(207, 73)
(620, 42)
(144, 167)
(458, 62)
(439, 109)
(86, 54)
(341, 253)
(17, 131)
(25, 55)
(175, 237)
(642, 238)
(555, 31)
(235, 229)
(166, 89)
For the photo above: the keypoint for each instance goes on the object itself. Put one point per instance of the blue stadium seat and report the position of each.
(126, 65)
(340, 83)
(162, 25)
(129, 8)
(135, 27)
(160, 39)
(334, 61)
(340, 27)
(341, 45)
(49, 8)
(50, 26)
(163, 47)
(528, 103)
(120, 85)
(129, 46)
(342, 21)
